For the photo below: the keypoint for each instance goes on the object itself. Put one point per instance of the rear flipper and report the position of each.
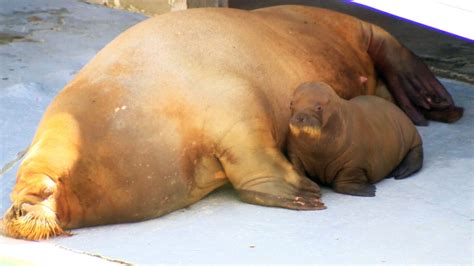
(448, 115)
(353, 181)
(411, 164)
(411, 83)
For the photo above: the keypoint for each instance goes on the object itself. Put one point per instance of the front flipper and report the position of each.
(412, 162)
(281, 196)
(411, 83)
(297, 164)
(353, 181)
(275, 183)
(262, 175)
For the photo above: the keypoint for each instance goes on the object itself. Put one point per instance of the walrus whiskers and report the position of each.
(33, 227)
(312, 132)
(295, 130)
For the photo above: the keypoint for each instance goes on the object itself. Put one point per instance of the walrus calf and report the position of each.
(350, 144)
(182, 103)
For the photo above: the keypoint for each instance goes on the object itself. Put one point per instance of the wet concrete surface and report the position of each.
(424, 219)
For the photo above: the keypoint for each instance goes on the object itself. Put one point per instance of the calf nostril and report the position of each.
(18, 211)
(24, 209)
(301, 118)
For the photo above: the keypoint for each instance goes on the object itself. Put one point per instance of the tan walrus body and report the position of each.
(350, 144)
(182, 103)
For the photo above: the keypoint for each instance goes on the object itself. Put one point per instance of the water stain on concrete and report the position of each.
(9, 37)
(36, 13)
(13, 24)
(34, 19)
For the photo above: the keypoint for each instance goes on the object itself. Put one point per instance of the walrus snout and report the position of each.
(305, 122)
(31, 221)
(302, 119)
(32, 215)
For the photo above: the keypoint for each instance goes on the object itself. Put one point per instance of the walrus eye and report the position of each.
(318, 108)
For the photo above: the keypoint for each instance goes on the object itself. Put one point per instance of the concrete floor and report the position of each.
(427, 218)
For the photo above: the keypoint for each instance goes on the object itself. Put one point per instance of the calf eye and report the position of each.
(318, 107)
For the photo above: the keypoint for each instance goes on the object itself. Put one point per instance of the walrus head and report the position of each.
(32, 214)
(310, 108)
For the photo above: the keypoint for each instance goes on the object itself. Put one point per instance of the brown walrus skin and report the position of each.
(350, 144)
(182, 103)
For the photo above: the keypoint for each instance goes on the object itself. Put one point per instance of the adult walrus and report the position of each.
(350, 144)
(180, 104)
